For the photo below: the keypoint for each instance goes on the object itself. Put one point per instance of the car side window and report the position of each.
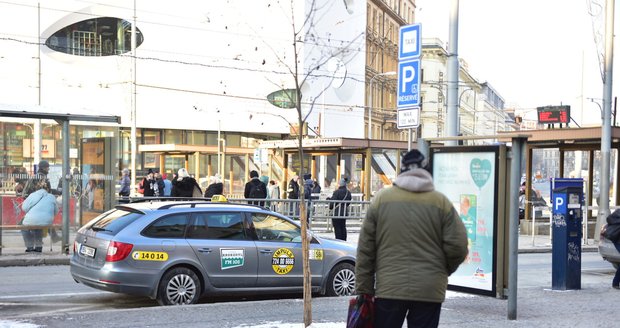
(171, 226)
(227, 226)
(273, 228)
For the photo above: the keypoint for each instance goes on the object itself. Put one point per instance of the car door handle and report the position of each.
(265, 251)
(204, 250)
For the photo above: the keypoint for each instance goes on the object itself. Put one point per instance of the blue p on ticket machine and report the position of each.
(567, 230)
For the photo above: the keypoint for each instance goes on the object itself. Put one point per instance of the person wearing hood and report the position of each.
(183, 185)
(215, 187)
(411, 240)
(340, 209)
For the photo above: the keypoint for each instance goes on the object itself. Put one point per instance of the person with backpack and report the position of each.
(255, 189)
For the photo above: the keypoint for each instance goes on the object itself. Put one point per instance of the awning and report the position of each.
(176, 149)
(51, 113)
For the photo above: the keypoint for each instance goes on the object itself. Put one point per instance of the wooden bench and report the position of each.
(27, 227)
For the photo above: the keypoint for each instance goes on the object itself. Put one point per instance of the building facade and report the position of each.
(481, 108)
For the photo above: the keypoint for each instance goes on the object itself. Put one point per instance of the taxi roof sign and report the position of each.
(219, 199)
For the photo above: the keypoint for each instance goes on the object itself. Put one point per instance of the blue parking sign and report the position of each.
(408, 93)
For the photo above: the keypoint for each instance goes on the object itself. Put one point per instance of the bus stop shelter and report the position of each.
(381, 155)
(62, 117)
(559, 146)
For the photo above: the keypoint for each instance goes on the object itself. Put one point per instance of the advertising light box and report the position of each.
(469, 179)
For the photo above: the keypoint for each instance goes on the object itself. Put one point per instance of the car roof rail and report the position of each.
(193, 204)
(161, 198)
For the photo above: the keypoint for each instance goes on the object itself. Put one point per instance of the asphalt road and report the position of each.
(46, 296)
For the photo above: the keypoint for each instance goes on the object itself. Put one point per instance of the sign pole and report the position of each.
(410, 139)
(409, 79)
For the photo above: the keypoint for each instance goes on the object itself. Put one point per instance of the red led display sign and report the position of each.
(553, 114)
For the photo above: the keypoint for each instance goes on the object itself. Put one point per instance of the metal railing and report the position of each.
(547, 212)
(318, 210)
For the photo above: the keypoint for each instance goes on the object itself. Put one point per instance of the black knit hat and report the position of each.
(44, 164)
(414, 156)
(307, 176)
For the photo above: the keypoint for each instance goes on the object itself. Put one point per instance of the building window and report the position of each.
(103, 36)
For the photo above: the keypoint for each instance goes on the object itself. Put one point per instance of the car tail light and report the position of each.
(118, 251)
(74, 246)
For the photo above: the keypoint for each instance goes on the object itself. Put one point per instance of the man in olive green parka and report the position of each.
(411, 240)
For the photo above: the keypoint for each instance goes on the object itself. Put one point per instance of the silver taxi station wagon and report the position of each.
(179, 251)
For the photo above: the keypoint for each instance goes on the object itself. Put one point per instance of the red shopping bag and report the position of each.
(361, 312)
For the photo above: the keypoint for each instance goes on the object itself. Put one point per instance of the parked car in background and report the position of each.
(179, 251)
(607, 249)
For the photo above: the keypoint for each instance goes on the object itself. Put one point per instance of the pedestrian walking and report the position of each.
(167, 185)
(255, 189)
(159, 185)
(273, 190)
(215, 187)
(40, 208)
(184, 185)
(612, 233)
(125, 183)
(293, 188)
(41, 181)
(151, 188)
(292, 193)
(311, 191)
(340, 210)
(411, 240)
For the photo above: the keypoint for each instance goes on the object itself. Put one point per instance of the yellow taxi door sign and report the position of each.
(149, 256)
(316, 254)
(283, 261)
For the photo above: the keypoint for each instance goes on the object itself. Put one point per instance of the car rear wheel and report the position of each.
(341, 281)
(179, 286)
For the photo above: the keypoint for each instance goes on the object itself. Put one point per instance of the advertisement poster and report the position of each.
(468, 179)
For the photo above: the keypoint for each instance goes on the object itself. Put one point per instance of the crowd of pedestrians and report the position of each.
(259, 190)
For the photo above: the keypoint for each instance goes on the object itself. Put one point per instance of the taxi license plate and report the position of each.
(87, 251)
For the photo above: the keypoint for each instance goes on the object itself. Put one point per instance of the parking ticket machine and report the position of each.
(567, 234)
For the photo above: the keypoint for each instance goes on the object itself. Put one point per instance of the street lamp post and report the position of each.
(370, 104)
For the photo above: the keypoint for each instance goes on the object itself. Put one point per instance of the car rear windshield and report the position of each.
(115, 221)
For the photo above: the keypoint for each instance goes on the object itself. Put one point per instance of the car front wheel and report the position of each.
(341, 281)
(179, 286)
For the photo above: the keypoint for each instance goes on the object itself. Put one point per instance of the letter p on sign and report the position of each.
(408, 92)
(408, 73)
(559, 201)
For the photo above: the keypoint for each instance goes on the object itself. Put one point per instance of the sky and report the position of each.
(532, 52)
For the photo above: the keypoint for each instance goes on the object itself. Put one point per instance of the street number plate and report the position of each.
(87, 251)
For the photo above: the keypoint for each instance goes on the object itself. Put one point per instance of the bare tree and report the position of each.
(308, 38)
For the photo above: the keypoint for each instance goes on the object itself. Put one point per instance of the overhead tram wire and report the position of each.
(360, 45)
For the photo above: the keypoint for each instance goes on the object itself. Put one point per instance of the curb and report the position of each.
(16, 260)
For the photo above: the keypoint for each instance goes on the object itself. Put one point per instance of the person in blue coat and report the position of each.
(40, 208)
